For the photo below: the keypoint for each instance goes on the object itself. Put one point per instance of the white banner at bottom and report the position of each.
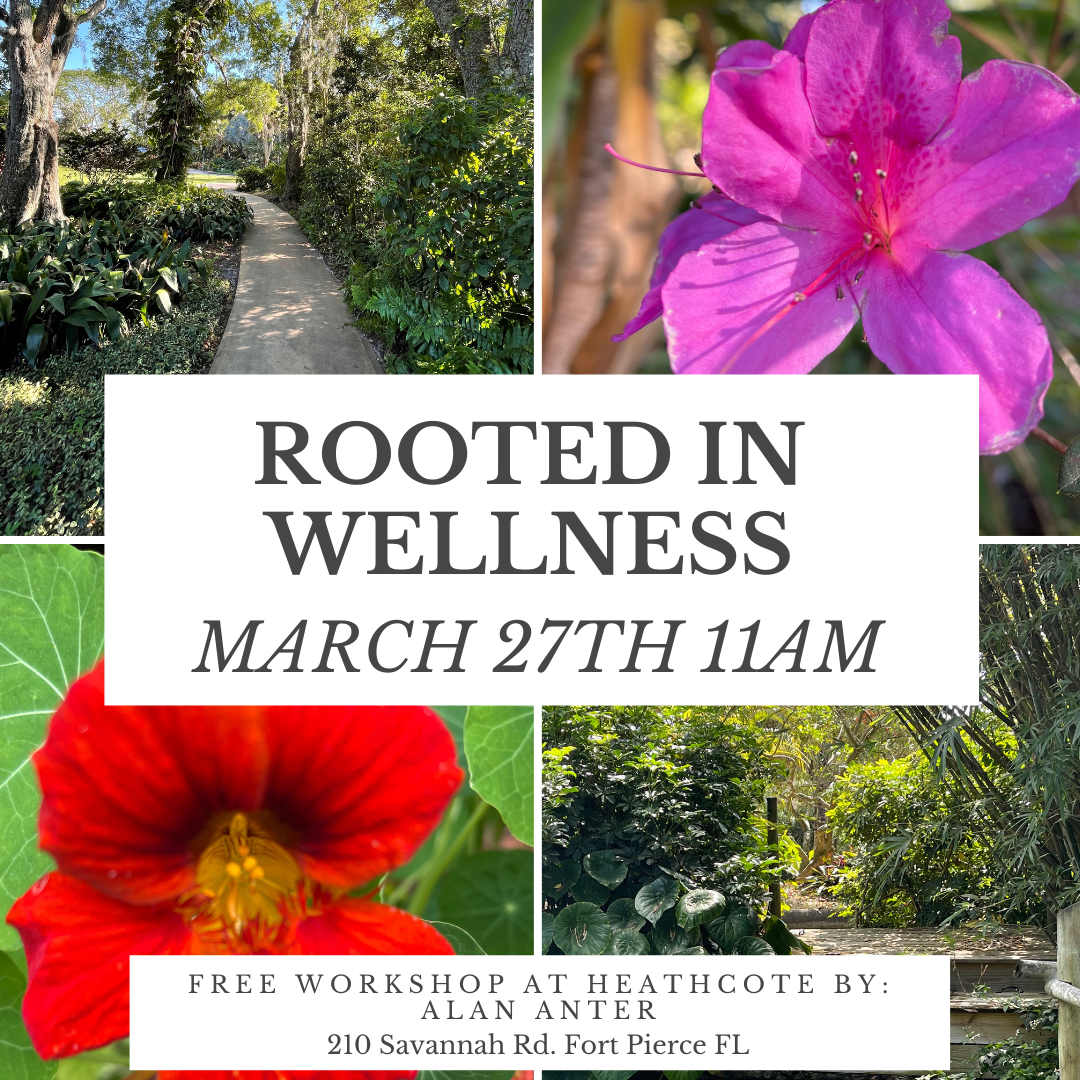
(888, 1013)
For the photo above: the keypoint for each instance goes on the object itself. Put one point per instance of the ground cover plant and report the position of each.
(92, 295)
(52, 415)
(186, 211)
(451, 872)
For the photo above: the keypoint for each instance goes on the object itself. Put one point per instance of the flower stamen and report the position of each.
(651, 168)
(249, 887)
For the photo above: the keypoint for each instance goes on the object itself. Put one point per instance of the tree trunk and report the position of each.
(299, 83)
(471, 42)
(37, 50)
(264, 137)
(299, 120)
(517, 51)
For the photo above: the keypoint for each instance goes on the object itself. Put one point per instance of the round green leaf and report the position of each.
(624, 916)
(657, 897)
(489, 895)
(699, 906)
(605, 1074)
(559, 879)
(582, 930)
(737, 922)
(668, 937)
(605, 867)
(588, 890)
(752, 946)
(547, 929)
(499, 746)
(17, 1056)
(682, 1074)
(51, 632)
(627, 943)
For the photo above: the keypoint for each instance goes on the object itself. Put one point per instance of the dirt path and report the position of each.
(288, 317)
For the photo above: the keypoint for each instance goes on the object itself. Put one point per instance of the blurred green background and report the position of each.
(636, 73)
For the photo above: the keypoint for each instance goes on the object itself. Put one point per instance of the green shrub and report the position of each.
(102, 151)
(52, 416)
(65, 284)
(913, 853)
(452, 286)
(187, 211)
(255, 178)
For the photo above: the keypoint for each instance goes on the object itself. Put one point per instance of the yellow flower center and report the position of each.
(248, 886)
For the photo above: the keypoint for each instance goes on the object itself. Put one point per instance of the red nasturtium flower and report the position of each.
(218, 830)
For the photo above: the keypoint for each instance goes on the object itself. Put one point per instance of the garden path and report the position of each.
(288, 317)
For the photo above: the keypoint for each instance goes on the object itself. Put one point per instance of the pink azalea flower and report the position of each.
(856, 166)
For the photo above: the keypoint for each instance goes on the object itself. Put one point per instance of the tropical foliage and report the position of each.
(64, 285)
(183, 210)
(653, 840)
(423, 197)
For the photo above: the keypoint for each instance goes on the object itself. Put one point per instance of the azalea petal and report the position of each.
(1010, 153)
(761, 147)
(78, 942)
(364, 928)
(277, 1074)
(716, 217)
(728, 307)
(799, 34)
(882, 72)
(751, 53)
(360, 787)
(927, 312)
(126, 791)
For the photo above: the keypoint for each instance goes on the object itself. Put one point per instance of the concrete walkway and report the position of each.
(288, 317)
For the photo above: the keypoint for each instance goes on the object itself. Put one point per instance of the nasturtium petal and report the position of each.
(582, 930)
(51, 632)
(623, 915)
(699, 906)
(657, 897)
(453, 716)
(606, 867)
(499, 746)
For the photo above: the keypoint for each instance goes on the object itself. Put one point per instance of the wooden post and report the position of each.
(1068, 970)
(774, 847)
